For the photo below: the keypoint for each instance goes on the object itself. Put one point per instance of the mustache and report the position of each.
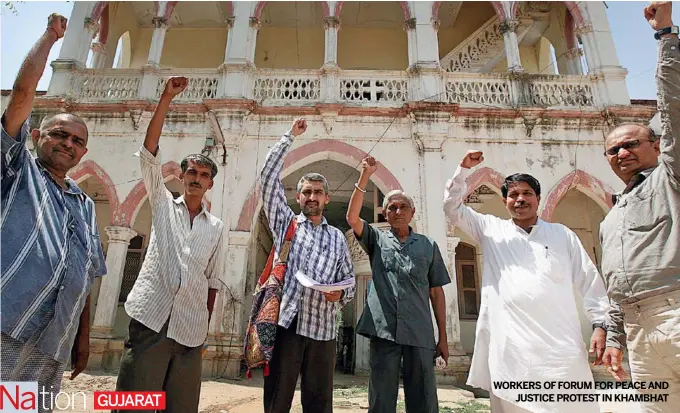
(65, 150)
(521, 204)
(195, 184)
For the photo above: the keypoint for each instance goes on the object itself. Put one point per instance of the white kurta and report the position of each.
(528, 328)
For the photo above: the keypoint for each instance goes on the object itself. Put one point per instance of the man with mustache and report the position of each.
(305, 338)
(528, 328)
(172, 300)
(408, 275)
(51, 250)
(641, 234)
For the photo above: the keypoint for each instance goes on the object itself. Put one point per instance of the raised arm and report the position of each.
(368, 168)
(23, 91)
(658, 14)
(152, 172)
(173, 87)
(470, 221)
(274, 199)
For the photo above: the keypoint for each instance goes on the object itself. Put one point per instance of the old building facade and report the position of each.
(535, 85)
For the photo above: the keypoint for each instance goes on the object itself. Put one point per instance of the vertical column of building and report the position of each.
(107, 302)
(238, 69)
(79, 34)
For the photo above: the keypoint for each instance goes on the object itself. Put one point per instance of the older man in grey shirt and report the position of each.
(408, 273)
(641, 234)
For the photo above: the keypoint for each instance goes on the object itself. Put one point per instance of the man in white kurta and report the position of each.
(528, 328)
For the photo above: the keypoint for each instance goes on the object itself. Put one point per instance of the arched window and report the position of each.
(468, 281)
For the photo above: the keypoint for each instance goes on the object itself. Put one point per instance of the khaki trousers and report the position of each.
(653, 339)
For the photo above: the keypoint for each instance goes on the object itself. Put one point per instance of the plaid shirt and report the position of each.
(320, 252)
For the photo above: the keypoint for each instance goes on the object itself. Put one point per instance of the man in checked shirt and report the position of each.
(305, 339)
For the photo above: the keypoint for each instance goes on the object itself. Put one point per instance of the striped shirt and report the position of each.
(181, 264)
(320, 252)
(51, 252)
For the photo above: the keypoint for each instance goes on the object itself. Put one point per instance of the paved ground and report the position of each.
(245, 396)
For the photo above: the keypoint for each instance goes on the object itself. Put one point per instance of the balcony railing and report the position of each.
(379, 88)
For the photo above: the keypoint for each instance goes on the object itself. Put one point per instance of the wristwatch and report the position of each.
(600, 325)
(666, 30)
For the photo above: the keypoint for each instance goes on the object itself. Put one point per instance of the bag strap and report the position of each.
(283, 256)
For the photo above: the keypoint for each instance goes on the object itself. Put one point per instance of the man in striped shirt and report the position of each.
(51, 250)
(305, 339)
(173, 297)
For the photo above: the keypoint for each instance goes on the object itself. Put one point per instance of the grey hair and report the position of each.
(50, 120)
(397, 192)
(653, 136)
(201, 160)
(312, 177)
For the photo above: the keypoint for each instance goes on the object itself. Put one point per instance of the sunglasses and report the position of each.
(614, 150)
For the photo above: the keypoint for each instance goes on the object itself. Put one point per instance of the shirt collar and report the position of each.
(302, 218)
(180, 200)
(646, 172)
(72, 185)
(412, 235)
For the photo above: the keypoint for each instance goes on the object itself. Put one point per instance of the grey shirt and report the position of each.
(641, 234)
(398, 303)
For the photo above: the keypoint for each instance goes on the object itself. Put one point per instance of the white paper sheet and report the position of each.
(326, 288)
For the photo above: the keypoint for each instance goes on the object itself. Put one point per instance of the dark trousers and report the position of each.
(153, 362)
(295, 355)
(420, 388)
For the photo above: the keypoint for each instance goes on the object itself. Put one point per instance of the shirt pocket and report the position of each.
(645, 211)
(419, 270)
(324, 266)
(389, 259)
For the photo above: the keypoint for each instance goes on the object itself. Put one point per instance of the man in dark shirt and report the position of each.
(408, 273)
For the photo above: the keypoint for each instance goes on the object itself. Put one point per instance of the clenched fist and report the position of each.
(658, 14)
(472, 159)
(57, 23)
(299, 127)
(175, 86)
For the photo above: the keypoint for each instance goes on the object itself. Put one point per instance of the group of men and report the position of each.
(528, 327)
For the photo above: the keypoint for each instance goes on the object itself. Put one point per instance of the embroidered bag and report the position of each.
(264, 316)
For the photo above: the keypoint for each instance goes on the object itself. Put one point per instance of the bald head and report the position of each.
(630, 149)
(52, 120)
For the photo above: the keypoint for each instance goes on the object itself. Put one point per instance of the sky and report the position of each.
(633, 38)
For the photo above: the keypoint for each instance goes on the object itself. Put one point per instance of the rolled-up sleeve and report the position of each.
(152, 175)
(14, 151)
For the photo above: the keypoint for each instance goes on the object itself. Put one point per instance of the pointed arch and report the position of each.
(584, 182)
(90, 169)
(572, 7)
(329, 149)
(133, 202)
(483, 176)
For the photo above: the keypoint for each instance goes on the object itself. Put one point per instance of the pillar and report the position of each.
(410, 29)
(426, 81)
(331, 25)
(99, 55)
(107, 302)
(160, 25)
(435, 227)
(238, 67)
(574, 66)
(75, 38)
(509, 31)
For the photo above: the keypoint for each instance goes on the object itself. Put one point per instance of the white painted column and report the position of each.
(91, 29)
(574, 66)
(107, 302)
(68, 60)
(436, 229)
(410, 29)
(509, 30)
(99, 55)
(238, 68)
(331, 25)
(160, 25)
(600, 52)
(426, 74)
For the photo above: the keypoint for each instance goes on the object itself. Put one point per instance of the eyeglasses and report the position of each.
(614, 150)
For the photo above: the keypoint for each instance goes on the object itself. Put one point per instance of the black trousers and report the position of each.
(153, 362)
(295, 355)
(420, 388)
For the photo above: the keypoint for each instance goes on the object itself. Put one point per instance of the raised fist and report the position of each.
(57, 23)
(299, 127)
(369, 165)
(175, 86)
(658, 14)
(472, 159)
